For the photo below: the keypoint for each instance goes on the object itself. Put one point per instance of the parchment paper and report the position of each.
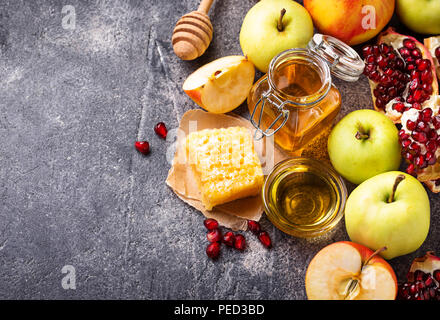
(182, 181)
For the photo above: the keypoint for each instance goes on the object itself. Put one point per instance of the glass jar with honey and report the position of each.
(296, 100)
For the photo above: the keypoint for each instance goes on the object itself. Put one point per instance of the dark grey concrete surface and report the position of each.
(74, 191)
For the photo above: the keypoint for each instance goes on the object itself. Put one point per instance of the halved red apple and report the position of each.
(221, 85)
(349, 271)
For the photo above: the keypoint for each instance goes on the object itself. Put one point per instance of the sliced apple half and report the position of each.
(349, 271)
(221, 85)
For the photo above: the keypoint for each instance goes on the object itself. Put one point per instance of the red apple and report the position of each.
(349, 271)
(221, 85)
(352, 21)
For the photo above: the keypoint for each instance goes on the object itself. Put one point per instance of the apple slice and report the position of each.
(349, 271)
(221, 85)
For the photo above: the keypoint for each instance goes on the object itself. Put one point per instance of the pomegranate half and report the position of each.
(401, 73)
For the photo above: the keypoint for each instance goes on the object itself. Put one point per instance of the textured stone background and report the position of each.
(74, 190)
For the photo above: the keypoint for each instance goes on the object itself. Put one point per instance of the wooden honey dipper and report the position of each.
(193, 33)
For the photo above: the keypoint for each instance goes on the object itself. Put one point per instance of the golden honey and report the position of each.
(305, 82)
(304, 197)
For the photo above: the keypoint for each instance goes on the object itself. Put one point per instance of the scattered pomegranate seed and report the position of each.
(213, 250)
(161, 130)
(214, 235)
(229, 239)
(254, 226)
(264, 238)
(210, 224)
(142, 146)
(411, 169)
(240, 242)
(437, 53)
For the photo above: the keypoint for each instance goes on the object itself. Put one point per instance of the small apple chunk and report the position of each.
(349, 271)
(221, 85)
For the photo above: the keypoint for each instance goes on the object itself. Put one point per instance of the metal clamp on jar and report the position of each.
(296, 100)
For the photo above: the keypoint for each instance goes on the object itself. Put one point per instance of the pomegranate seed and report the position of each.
(229, 239)
(426, 114)
(213, 250)
(415, 75)
(404, 52)
(426, 76)
(416, 53)
(399, 107)
(423, 64)
(408, 43)
(214, 235)
(161, 130)
(431, 145)
(422, 127)
(415, 147)
(403, 135)
(417, 106)
(437, 53)
(142, 146)
(420, 162)
(411, 169)
(371, 59)
(381, 62)
(408, 156)
(436, 273)
(367, 50)
(410, 67)
(430, 158)
(210, 224)
(415, 83)
(411, 125)
(264, 238)
(436, 122)
(384, 48)
(406, 143)
(254, 226)
(417, 95)
(429, 281)
(240, 242)
(432, 135)
(427, 87)
(376, 50)
(420, 136)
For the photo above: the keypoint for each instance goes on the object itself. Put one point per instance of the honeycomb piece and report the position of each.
(225, 163)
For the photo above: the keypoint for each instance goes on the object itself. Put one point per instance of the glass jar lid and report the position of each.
(343, 61)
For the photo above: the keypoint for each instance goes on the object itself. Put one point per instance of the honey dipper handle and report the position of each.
(204, 6)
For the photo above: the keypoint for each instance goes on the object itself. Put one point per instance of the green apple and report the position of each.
(422, 16)
(268, 30)
(389, 210)
(363, 144)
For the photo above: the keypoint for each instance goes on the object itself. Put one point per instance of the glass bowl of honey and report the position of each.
(304, 197)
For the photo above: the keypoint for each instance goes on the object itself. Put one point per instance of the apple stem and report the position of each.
(361, 136)
(280, 25)
(375, 253)
(399, 179)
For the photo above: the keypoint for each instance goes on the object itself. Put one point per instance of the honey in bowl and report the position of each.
(304, 197)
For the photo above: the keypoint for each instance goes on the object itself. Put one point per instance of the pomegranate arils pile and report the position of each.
(423, 280)
(237, 241)
(402, 75)
(420, 139)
